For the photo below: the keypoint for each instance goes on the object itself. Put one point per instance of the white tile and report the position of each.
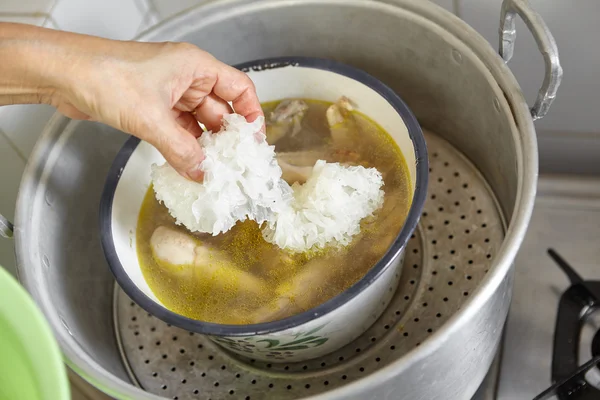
(575, 28)
(114, 19)
(167, 8)
(26, 6)
(11, 169)
(143, 5)
(150, 19)
(24, 123)
(50, 23)
(36, 19)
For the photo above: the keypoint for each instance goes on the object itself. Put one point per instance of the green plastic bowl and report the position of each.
(31, 366)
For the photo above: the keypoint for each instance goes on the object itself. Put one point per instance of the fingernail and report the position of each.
(261, 135)
(196, 174)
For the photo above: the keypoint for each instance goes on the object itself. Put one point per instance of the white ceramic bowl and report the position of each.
(332, 324)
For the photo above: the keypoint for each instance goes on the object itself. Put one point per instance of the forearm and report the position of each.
(28, 70)
(36, 64)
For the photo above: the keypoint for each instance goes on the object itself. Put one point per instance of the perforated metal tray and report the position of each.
(459, 233)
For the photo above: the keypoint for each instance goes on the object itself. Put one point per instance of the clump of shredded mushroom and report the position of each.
(243, 181)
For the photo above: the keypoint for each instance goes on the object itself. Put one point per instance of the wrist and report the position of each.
(22, 79)
(45, 64)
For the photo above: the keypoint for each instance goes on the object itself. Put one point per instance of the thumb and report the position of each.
(181, 150)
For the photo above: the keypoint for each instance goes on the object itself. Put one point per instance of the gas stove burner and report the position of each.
(575, 305)
(596, 345)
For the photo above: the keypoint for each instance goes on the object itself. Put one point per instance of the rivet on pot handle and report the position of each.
(6, 227)
(546, 45)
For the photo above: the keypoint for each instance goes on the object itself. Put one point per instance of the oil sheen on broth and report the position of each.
(239, 277)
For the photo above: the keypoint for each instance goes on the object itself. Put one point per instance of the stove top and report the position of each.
(575, 306)
(551, 345)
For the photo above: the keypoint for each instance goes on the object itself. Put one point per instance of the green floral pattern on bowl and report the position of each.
(279, 348)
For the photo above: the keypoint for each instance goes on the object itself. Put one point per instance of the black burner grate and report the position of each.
(575, 305)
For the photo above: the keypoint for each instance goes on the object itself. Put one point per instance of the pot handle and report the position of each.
(6, 227)
(545, 42)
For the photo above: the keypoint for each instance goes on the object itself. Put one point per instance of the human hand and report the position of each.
(155, 91)
(158, 92)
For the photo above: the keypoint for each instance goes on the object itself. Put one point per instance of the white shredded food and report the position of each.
(242, 180)
(327, 208)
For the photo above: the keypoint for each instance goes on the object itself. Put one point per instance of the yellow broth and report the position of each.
(287, 283)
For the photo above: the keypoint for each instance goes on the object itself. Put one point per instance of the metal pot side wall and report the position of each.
(451, 78)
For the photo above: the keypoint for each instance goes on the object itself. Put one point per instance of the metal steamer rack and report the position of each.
(460, 231)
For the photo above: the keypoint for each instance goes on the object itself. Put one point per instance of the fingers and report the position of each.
(181, 149)
(210, 112)
(188, 122)
(235, 86)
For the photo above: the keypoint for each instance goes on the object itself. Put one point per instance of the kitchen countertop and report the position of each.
(566, 217)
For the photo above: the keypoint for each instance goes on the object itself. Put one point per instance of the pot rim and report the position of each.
(410, 224)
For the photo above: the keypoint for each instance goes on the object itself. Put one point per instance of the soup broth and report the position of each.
(239, 278)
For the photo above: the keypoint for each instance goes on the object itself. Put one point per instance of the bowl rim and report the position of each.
(421, 180)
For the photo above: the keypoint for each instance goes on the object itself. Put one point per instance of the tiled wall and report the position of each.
(573, 24)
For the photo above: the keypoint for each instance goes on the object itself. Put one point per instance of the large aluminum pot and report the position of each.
(450, 77)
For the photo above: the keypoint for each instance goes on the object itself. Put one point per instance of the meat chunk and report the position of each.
(172, 248)
(286, 120)
(339, 111)
(302, 292)
(287, 110)
(342, 125)
(297, 166)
